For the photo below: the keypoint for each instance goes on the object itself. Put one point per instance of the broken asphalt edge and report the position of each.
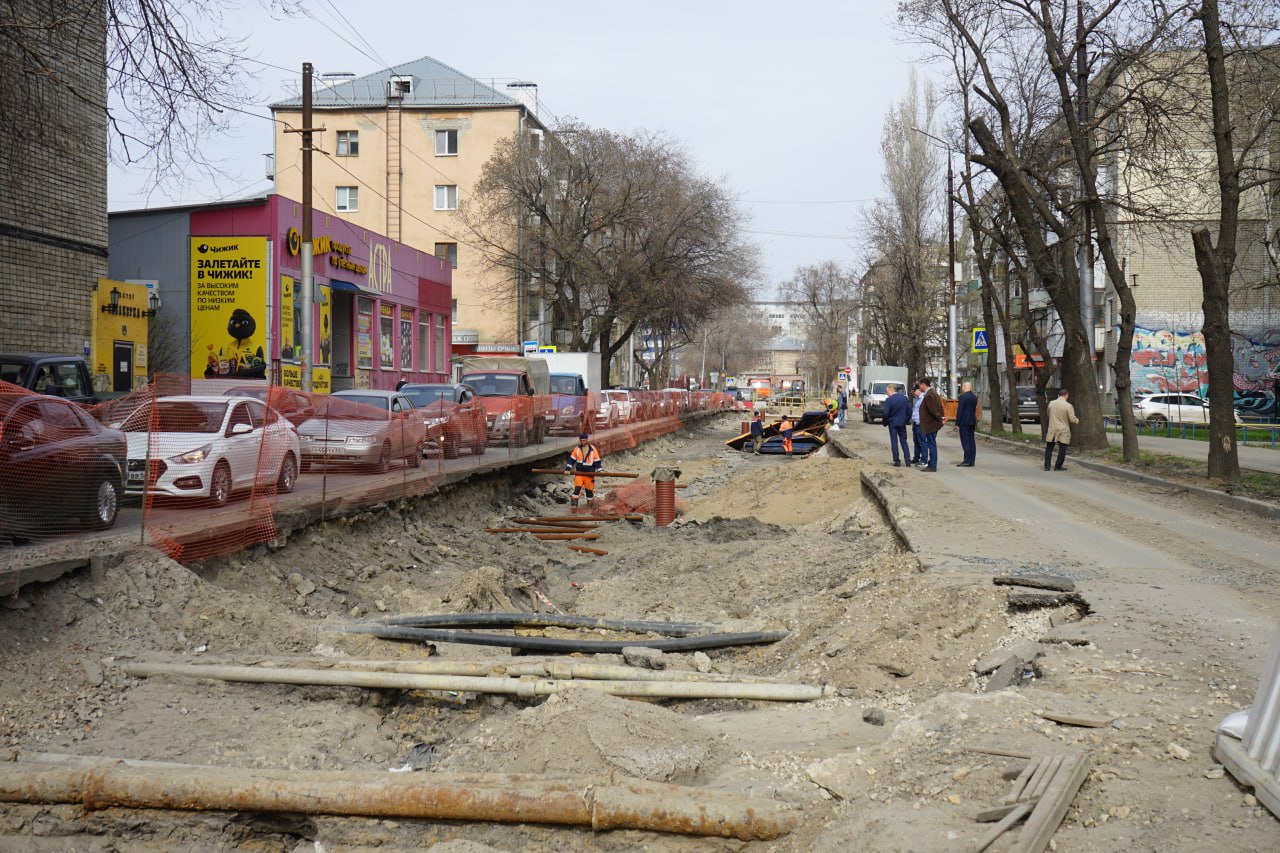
(887, 505)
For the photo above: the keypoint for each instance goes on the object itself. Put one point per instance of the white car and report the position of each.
(209, 447)
(617, 407)
(1160, 409)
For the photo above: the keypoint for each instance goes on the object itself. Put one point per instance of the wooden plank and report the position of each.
(1036, 791)
(995, 750)
(558, 528)
(1018, 813)
(1052, 808)
(995, 813)
(1053, 582)
(1086, 720)
(584, 549)
(1026, 600)
(1232, 755)
(1020, 784)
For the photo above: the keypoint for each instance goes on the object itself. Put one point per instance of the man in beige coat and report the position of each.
(1061, 416)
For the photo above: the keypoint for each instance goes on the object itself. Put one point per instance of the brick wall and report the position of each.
(53, 173)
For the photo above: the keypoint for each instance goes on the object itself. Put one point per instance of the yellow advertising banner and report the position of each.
(325, 326)
(290, 318)
(229, 322)
(120, 327)
(291, 376)
(320, 380)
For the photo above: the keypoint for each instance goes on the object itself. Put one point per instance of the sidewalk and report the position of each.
(1252, 457)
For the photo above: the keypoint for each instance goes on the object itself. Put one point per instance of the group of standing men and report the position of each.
(925, 414)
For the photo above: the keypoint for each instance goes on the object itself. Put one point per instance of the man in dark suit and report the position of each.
(932, 419)
(897, 412)
(967, 422)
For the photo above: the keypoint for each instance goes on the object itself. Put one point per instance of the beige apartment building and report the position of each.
(401, 148)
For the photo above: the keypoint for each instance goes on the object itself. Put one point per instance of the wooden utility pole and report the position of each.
(307, 345)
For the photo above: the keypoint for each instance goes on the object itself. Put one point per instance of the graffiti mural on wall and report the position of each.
(1171, 360)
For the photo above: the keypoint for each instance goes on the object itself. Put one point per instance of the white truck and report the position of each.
(585, 364)
(575, 391)
(874, 380)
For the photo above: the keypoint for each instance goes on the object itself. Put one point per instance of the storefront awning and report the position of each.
(344, 287)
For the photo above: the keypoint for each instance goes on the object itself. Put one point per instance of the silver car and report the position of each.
(363, 428)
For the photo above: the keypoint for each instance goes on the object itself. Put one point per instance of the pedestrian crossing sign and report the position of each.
(979, 339)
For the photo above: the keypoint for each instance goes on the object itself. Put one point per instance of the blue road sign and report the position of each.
(979, 340)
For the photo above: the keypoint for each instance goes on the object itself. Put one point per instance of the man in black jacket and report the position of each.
(967, 422)
(897, 412)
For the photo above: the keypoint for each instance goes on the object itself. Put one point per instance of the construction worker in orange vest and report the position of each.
(584, 462)
(784, 429)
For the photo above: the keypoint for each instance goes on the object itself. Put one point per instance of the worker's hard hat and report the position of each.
(582, 436)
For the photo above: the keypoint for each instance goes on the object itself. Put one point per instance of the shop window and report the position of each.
(424, 341)
(441, 331)
(364, 333)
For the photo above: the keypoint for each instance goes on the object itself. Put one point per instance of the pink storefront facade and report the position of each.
(381, 310)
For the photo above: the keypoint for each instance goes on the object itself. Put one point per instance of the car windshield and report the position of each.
(493, 384)
(880, 387)
(177, 416)
(564, 385)
(357, 407)
(616, 395)
(15, 372)
(425, 395)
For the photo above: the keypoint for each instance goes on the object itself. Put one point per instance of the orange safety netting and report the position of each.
(636, 496)
(208, 467)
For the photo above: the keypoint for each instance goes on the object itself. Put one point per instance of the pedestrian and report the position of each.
(403, 382)
(757, 432)
(1061, 416)
(784, 429)
(842, 405)
(967, 423)
(584, 462)
(896, 414)
(932, 419)
(917, 437)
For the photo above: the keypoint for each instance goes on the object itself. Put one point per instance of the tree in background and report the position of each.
(620, 235)
(903, 316)
(828, 302)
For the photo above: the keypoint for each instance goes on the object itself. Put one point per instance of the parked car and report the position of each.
(1028, 409)
(56, 464)
(1159, 409)
(364, 428)
(294, 405)
(617, 406)
(209, 447)
(568, 405)
(65, 376)
(453, 416)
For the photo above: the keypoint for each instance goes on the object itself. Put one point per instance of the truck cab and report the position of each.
(515, 393)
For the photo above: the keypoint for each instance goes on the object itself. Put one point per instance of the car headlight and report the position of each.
(505, 416)
(191, 457)
(361, 439)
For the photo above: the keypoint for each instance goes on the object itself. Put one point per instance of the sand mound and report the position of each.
(585, 731)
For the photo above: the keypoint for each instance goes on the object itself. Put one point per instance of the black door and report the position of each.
(122, 366)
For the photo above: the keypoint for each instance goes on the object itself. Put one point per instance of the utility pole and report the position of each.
(952, 387)
(307, 344)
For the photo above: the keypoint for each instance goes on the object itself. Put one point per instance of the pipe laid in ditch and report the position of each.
(565, 670)
(526, 687)
(545, 620)
(553, 645)
(598, 802)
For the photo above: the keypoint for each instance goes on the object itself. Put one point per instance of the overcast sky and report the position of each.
(784, 102)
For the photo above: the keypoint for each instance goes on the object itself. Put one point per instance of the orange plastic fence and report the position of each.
(206, 471)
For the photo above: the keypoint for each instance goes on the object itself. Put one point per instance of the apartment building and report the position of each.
(401, 148)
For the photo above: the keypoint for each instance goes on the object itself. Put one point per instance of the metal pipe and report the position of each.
(556, 537)
(524, 686)
(546, 620)
(596, 552)
(599, 802)
(550, 645)
(596, 474)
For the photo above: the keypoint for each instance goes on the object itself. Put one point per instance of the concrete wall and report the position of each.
(53, 176)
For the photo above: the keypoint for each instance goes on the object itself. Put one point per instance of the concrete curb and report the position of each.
(887, 504)
(1243, 504)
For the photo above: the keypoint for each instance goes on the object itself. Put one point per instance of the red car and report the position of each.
(454, 417)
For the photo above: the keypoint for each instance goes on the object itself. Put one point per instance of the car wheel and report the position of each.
(106, 504)
(220, 485)
(449, 446)
(480, 445)
(288, 475)
(414, 459)
(519, 436)
(1157, 421)
(383, 465)
(865, 419)
(539, 431)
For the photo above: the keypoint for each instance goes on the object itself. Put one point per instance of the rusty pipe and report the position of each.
(598, 802)
(585, 550)
(563, 473)
(557, 537)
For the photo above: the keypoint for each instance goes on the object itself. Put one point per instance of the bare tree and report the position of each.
(828, 300)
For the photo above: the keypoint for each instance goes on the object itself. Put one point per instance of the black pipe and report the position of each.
(557, 646)
(544, 620)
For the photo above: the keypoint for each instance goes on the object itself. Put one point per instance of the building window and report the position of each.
(441, 338)
(446, 196)
(424, 341)
(348, 143)
(446, 143)
(448, 252)
(348, 199)
(453, 312)
(398, 87)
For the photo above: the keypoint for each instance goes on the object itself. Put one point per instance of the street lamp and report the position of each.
(951, 263)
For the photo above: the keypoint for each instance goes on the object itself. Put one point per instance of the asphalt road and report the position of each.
(1134, 548)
